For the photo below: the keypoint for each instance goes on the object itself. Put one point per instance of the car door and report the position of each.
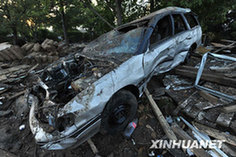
(161, 45)
(182, 34)
(194, 27)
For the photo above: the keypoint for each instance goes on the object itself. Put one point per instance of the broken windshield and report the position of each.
(116, 42)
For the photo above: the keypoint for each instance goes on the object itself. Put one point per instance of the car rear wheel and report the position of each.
(119, 111)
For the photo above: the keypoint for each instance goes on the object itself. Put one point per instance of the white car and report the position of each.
(97, 89)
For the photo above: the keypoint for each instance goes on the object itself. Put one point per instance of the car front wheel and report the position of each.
(119, 111)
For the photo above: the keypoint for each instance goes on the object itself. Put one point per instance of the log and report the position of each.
(29, 47)
(218, 44)
(17, 52)
(216, 134)
(230, 46)
(36, 47)
(229, 41)
(191, 72)
(185, 136)
(166, 127)
(4, 56)
(9, 54)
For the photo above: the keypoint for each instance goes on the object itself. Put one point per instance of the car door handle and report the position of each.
(188, 38)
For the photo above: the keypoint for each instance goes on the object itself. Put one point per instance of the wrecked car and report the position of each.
(97, 89)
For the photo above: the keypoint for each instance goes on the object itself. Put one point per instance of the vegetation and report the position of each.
(78, 20)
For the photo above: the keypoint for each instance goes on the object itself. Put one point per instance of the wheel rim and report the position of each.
(119, 115)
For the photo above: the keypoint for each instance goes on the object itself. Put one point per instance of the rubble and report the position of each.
(31, 53)
(211, 114)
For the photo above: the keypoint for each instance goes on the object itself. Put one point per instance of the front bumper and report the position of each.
(52, 142)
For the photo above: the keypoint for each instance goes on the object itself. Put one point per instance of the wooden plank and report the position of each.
(231, 139)
(185, 136)
(218, 44)
(224, 119)
(233, 125)
(4, 56)
(230, 46)
(228, 150)
(17, 52)
(3, 77)
(229, 41)
(191, 72)
(209, 97)
(184, 104)
(13, 69)
(166, 127)
(229, 109)
(17, 94)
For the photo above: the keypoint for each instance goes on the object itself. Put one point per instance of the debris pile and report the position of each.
(31, 53)
(18, 66)
(199, 115)
(205, 94)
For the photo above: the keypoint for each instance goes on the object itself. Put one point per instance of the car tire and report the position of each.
(119, 111)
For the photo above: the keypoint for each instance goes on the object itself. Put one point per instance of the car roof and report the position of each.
(153, 14)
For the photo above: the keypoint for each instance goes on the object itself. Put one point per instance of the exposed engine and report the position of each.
(62, 81)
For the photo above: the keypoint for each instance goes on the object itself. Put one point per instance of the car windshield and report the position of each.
(116, 42)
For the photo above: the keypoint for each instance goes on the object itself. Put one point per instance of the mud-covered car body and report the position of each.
(71, 94)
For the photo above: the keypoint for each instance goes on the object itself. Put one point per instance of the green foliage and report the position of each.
(233, 26)
(77, 36)
(30, 19)
(233, 34)
(211, 12)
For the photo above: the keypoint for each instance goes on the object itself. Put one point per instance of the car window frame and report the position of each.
(184, 21)
(195, 18)
(152, 46)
